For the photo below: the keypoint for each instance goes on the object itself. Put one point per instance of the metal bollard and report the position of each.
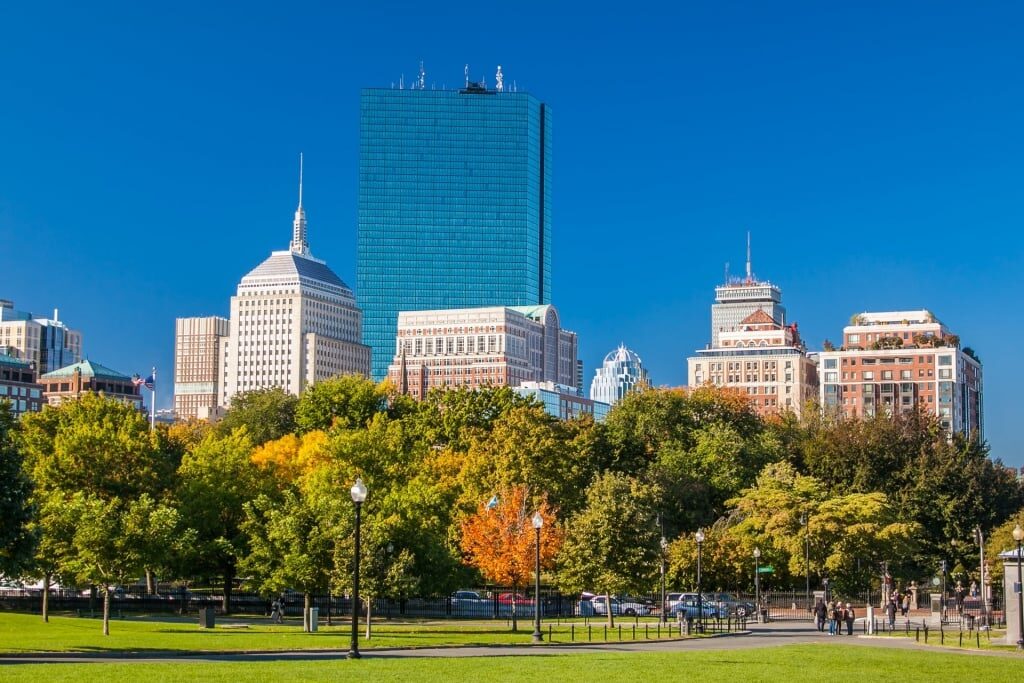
(572, 633)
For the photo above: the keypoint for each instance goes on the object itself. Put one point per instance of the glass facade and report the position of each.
(454, 205)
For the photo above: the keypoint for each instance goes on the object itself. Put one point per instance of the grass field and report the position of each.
(28, 633)
(792, 664)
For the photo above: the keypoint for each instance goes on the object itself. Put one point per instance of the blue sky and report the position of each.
(874, 150)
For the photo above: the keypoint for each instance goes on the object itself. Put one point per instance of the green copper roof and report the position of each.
(88, 369)
(12, 362)
(536, 311)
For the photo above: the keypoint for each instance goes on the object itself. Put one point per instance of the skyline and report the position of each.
(884, 174)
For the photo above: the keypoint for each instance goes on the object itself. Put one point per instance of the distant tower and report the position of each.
(423, 77)
(500, 87)
(620, 373)
(299, 244)
(293, 322)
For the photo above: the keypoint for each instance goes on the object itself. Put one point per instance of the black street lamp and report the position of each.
(757, 584)
(538, 522)
(807, 557)
(664, 550)
(1018, 535)
(358, 492)
(699, 536)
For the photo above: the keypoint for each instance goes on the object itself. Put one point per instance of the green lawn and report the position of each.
(792, 664)
(28, 633)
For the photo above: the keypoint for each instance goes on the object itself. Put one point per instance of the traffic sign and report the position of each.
(766, 570)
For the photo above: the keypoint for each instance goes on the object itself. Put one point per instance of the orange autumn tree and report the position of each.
(500, 541)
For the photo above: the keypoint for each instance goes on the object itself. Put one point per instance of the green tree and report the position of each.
(217, 479)
(94, 444)
(452, 417)
(612, 545)
(291, 543)
(266, 414)
(348, 401)
(113, 537)
(17, 542)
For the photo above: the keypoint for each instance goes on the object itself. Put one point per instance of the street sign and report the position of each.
(766, 570)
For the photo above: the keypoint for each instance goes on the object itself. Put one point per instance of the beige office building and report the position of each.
(293, 322)
(197, 371)
(47, 343)
(475, 347)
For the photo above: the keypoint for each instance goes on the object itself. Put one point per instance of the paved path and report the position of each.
(777, 634)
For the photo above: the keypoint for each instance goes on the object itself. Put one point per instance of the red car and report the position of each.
(506, 599)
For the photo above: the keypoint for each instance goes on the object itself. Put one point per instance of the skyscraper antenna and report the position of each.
(465, 70)
(726, 272)
(748, 257)
(423, 77)
(300, 180)
(500, 87)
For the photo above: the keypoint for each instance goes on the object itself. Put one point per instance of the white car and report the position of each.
(627, 608)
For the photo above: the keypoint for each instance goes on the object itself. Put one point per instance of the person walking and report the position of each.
(890, 612)
(849, 616)
(820, 614)
(277, 612)
(836, 619)
(905, 605)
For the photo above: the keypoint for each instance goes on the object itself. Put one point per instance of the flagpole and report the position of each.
(152, 403)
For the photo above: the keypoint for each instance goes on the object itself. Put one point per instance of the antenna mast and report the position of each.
(423, 76)
(748, 257)
(500, 87)
(465, 70)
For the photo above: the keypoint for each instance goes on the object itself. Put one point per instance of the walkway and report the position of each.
(777, 634)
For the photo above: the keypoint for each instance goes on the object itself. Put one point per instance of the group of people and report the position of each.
(835, 614)
(897, 602)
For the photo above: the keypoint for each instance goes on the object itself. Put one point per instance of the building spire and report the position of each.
(749, 278)
(299, 244)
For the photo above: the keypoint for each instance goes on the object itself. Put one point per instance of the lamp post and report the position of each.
(807, 557)
(358, 492)
(1018, 535)
(538, 522)
(757, 584)
(664, 550)
(699, 536)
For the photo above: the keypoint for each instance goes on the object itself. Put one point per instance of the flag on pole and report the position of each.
(150, 382)
(137, 381)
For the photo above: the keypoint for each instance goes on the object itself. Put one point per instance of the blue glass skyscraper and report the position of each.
(454, 205)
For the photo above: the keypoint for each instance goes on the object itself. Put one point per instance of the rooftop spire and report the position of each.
(299, 244)
(748, 257)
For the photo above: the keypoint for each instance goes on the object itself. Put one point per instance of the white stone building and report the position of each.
(619, 374)
(293, 322)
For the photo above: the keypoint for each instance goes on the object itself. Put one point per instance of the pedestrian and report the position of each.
(850, 616)
(835, 619)
(959, 591)
(820, 614)
(905, 605)
(890, 612)
(277, 611)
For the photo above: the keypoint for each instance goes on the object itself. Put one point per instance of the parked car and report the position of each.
(506, 599)
(733, 605)
(689, 609)
(464, 597)
(623, 607)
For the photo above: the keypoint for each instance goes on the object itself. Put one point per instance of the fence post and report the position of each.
(572, 633)
(620, 631)
(549, 632)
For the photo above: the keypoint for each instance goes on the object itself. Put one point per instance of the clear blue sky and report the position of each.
(874, 149)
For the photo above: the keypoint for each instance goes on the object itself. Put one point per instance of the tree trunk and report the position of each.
(229, 576)
(515, 625)
(307, 616)
(608, 606)
(369, 605)
(150, 589)
(106, 610)
(46, 597)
